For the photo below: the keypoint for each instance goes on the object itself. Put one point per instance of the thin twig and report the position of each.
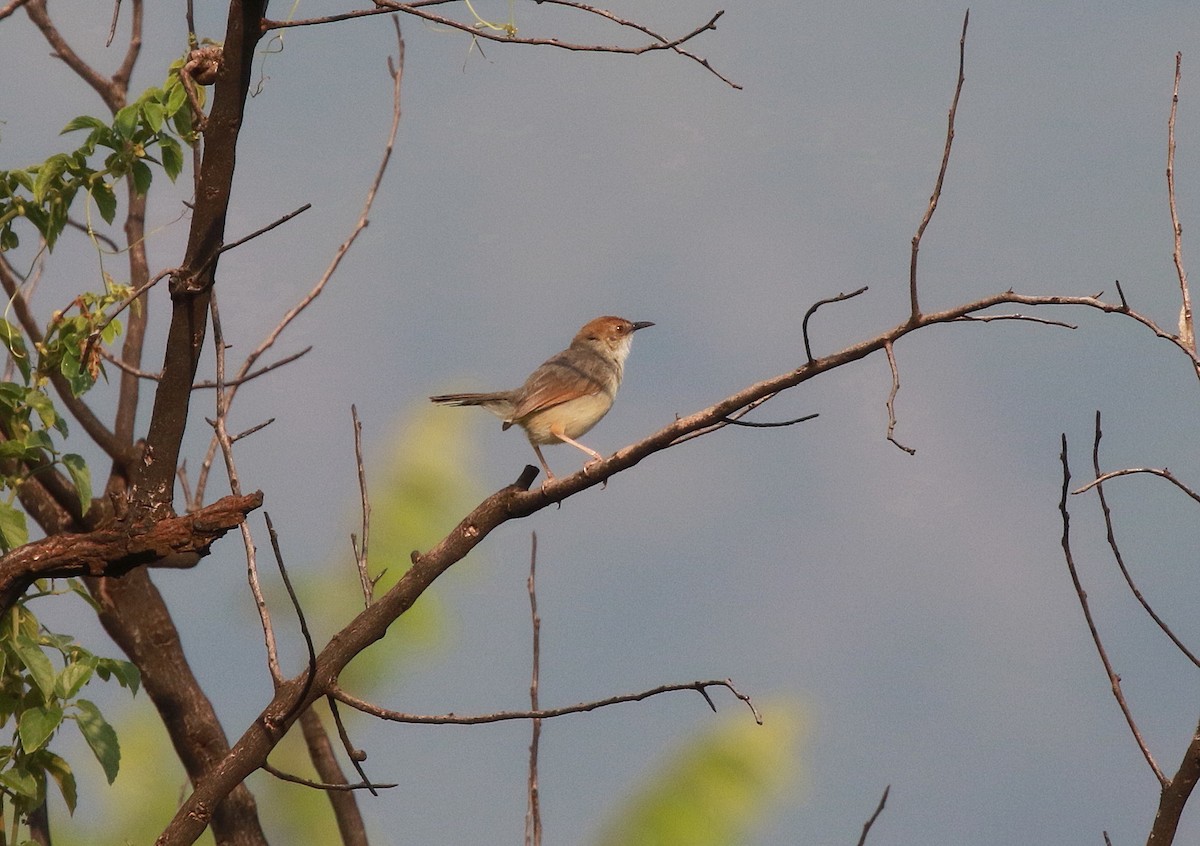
(279, 222)
(770, 425)
(891, 400)
(812, 310)
(1187, 334)
(221, 435)
(878, 810)
(988, 318)
(1112, 543)
(321, 785)
(937, 188)
(360, 549)
(1163, 473)
(547, 713)
(356, 755)
(417, 9)
(396, 71)
(1113, 679)
(533, 814)
(112, 30)
(296, 606)
(241, 380)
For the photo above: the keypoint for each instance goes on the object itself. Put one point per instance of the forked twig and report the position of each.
(419, 9)
(356, 755)
(700, 687)
(1120, 559)
(396, 71)
(321, 785)
(1113, 679)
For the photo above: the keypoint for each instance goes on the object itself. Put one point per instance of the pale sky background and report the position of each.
(919, 607)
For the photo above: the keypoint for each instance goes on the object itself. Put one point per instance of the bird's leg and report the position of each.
(596, 457)
(542, 460)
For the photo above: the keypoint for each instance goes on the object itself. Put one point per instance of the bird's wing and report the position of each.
(554, 383)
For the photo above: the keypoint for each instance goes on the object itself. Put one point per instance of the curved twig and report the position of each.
(700, 687)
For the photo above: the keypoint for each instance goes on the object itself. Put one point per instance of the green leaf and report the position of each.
(43, 405)
(172, 156)
(73, 677)
(126, 120)
(12, 339)
(82, 478)
(37, 726)
(13, 530)
(153, 113)
(112, 330)
(60, 771)
(100, 736)
(39, 666)
(83, 122)
(141, 176)
(20, 783)
(48, 173)
(176, 96)
(106, 200)
(126, 673)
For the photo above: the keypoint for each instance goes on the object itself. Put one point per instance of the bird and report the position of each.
(569, 393)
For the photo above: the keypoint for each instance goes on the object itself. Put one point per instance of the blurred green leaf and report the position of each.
(13, 530)
(714, 789)
(82, 478)
(20, 782)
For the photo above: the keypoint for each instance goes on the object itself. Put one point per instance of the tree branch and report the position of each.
(178, 542)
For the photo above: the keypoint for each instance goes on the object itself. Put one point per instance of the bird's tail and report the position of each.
(499, 404)
(468, 399)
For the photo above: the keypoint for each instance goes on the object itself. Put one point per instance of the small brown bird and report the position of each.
(569, 394)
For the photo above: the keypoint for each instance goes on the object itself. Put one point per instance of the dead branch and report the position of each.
(812, 309)
(878, 810)
(419, 9)
(360, 547)
(937, 188)
(1187, 334)
(175, 542)
(396, 71)
(319, 785)
(891, 400)
(1120, 559)
(533, 814)
(1113, 679)
(700, 687)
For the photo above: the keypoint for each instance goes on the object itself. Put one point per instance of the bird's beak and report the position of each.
(641, 324)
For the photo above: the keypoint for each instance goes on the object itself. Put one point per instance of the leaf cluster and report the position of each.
(147, 131)
(36, 699)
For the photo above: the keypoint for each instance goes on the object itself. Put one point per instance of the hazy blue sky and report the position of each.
(918, 606)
